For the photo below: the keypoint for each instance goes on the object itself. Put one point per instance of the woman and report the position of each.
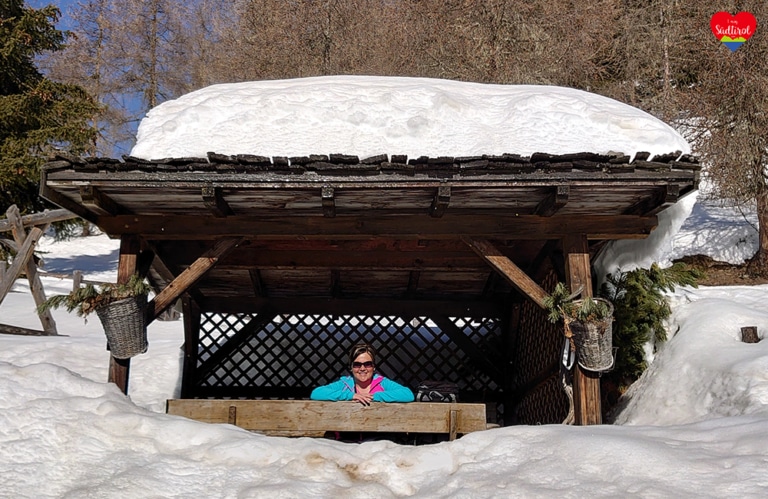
(364, 386)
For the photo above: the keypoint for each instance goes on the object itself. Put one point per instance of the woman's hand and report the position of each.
(363, 398)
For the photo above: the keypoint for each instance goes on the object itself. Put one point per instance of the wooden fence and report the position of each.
(22, 245)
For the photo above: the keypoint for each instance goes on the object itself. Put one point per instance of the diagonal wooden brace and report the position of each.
(190, 276)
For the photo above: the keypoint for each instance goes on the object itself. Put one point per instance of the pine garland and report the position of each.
(88, 298)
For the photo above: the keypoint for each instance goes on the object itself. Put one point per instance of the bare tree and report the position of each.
(730, 111)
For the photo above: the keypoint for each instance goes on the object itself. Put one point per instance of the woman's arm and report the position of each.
(393, 392)
(338, 390)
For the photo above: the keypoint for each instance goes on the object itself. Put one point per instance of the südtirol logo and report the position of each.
(733, 31)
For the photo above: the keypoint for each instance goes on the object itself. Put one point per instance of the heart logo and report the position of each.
(733, 31)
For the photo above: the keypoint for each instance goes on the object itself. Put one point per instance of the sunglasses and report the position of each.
(358, 365)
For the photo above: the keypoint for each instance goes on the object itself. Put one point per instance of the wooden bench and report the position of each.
(313, 418)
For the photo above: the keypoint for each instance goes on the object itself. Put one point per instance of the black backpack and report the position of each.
(437, 391)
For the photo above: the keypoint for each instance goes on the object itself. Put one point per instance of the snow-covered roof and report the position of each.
(370, 115)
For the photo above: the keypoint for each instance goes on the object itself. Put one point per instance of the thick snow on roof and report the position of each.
(366, 115)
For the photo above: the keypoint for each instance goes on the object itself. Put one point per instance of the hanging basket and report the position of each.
(125, 326)
(594, 341)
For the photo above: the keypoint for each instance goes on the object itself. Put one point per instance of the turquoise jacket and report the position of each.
(383, 390)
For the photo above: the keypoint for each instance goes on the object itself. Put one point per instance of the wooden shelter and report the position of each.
(280, 264)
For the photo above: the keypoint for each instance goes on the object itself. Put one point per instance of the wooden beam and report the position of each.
(45, 217)
(556, 199)
(22, 331)
(586, 385)
(68, 204)
(405, 226)
(464, 306)
(440, 201)
(215, 202)
(246, 259)
(508, 269)
(98, 202)
(190, 276)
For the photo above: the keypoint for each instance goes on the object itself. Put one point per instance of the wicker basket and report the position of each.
(594, 341)
(125, 326)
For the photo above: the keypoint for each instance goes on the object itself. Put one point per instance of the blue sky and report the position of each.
(63, 5)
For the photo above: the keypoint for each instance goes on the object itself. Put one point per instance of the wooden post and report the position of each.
(749, 334)
(586, 385)
(191, 313)
(77, 280)
(129, 253)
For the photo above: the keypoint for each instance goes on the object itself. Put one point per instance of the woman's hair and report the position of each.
(360, 349)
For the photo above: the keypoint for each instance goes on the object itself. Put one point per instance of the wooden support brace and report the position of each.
(190, 276)
(215, 202)
(556, 199)
(507, 269)
(98, 202)
(329, 202)
(440, 201)
(19, 262)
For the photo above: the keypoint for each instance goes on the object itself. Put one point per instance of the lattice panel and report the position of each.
(545, 404)
(305, 351)
(538, 350)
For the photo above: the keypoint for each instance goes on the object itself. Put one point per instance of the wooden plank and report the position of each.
(508, 269)
(22, 331)
(586, 385)
(302, 417)
(190, 276)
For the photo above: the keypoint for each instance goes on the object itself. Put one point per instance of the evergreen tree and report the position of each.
(640, 309)
(37, 116)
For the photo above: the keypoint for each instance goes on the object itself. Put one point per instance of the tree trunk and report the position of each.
(758, 266)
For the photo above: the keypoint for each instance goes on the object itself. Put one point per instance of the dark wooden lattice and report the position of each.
(541, 399)
(285, 356)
